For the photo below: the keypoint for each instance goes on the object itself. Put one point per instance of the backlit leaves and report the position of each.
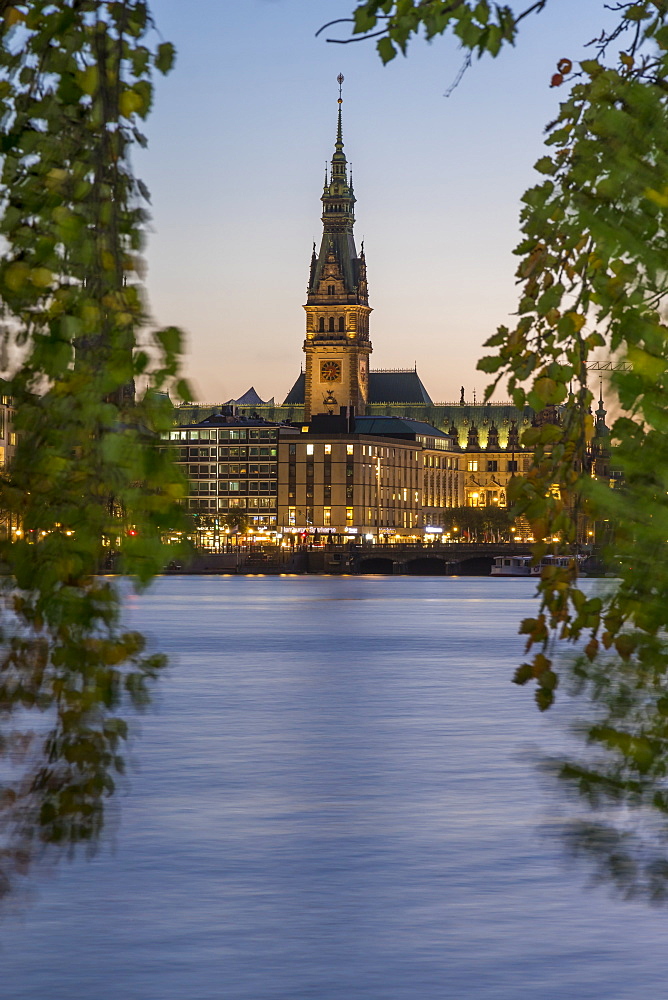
(593, 274)
(89, 490)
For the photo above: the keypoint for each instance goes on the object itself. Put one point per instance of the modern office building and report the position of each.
(231, 464)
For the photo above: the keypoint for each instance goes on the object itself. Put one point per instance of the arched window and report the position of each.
(342, 324)
(331, 324)
(321, 326)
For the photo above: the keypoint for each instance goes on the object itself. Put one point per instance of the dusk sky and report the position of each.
(239, 137)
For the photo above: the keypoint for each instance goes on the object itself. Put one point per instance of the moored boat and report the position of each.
(521, 565)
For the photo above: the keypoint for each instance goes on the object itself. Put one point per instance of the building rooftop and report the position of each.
(395, 426)
(385, 386)
(250, 398)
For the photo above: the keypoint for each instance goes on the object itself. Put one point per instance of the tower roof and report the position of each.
(338, 254)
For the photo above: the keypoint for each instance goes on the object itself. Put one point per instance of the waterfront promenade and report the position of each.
(356, 558)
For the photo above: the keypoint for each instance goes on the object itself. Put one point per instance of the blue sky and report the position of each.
(238, 141)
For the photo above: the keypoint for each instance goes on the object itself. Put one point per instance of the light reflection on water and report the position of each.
(334, 799)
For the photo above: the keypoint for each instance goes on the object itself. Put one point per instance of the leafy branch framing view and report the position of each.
(87, 482)
(593, 275)
(88, 479)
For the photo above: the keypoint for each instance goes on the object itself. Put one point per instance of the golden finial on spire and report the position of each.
(340, 78)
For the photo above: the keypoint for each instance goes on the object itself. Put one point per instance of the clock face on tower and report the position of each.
(330, 371)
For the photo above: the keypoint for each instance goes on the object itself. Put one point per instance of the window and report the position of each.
(512, 466)
(292, 449)
(327, 516)
(328, 449)
(321, 325)
(350, 448)
(492, 466)
(472, 465)
(331, 289)
(292, 516)
(342, 324)
(203, 489)
(331, 324)
(349, 515)
(309, 449)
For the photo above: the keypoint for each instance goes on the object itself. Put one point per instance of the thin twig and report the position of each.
(458, 79)
(362, 38)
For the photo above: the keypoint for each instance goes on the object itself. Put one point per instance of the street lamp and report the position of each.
(378, 489)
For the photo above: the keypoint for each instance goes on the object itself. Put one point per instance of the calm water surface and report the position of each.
(333, 798)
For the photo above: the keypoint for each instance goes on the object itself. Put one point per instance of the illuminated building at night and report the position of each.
(336, 372)
(384, 476)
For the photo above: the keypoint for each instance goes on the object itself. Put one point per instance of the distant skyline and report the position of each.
(238, 141)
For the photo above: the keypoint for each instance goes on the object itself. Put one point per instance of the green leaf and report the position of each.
(591, 67)
(523, 674)
(386, 49)
(165, 56)
(365, 20)
(490, 364)
(546, 165)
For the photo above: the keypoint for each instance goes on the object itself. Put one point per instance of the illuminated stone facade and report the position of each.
(337, 345)
(356, 476)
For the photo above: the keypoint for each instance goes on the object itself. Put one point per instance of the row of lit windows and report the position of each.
(212, 486)
(436, 462)
(184, 454)
(229, 469)
(512, 465)
(310, 449)
(222, 434)
(326, 516)
(225, 503)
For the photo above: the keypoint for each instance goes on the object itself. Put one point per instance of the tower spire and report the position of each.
(339, 129)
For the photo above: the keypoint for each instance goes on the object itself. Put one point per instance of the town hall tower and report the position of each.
(337, 344)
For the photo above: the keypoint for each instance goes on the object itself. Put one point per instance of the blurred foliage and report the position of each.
(88, 486)
(593, 275)
(237, 521)
(489, 523)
